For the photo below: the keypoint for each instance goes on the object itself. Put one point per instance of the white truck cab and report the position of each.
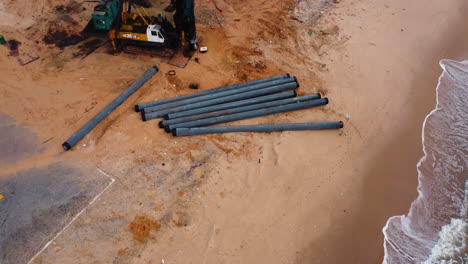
(153, 33)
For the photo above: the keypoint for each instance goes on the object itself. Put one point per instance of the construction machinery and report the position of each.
(128, 23)
(184, 19)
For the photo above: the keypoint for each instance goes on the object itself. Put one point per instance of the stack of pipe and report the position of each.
(188, 114)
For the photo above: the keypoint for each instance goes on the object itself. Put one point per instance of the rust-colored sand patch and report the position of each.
(122, 252)
(142, 226)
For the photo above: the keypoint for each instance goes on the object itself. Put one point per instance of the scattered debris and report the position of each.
(348, 116)
(193, 86)
(197, 60)
(13, 45)
(48, 140)
(72, 7)
(60, 8)
(1, 196)
(68, 19)
(171, 72)
(203, 49)
(2, 40)
(25, 58)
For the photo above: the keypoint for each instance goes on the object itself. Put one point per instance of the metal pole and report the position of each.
(106, 111)
(256, 128)
(218, 95)
(226, 99)
(251, 101)
(250, 114)
(239, 109)
(220, 89)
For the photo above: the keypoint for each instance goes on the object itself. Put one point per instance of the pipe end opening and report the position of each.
(297, 82)
(341, 124)
(66, 146)
(161, 124)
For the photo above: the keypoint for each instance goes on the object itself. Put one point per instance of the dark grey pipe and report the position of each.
(220, 89)
(256, 128)
(218, 95)
(226, 99)
(106, 111)
(251, 101)
(239, 109)
(250, 114)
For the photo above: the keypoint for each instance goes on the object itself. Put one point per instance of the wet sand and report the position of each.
(390, 180)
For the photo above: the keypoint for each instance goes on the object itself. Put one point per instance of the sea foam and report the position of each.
(436, 227)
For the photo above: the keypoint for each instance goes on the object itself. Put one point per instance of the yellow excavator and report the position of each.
(128, 23)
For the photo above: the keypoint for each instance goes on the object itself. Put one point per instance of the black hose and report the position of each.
(250, 114)
(139, 107)
(256, 128)
(106, 111)
(239, 109)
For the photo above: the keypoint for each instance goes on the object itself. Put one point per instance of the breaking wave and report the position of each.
(436, 227)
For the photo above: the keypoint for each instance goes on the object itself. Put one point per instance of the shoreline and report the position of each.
(392, 181)
(429, 180)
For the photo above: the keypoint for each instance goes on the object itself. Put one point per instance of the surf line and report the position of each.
(76, 216)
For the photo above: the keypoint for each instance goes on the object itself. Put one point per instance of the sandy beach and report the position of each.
(290, 197)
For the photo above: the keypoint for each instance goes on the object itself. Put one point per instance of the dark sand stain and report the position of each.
(38, 203)
(16, 142)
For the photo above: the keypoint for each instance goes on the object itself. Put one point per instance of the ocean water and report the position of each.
(435, 230)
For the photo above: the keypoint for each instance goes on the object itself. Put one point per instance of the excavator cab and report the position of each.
(155, 34)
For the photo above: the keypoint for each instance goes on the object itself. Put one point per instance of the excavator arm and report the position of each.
(184, 20)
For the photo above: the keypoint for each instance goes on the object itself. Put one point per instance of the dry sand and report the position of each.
(293, 197)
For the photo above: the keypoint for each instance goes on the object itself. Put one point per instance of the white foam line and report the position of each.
(76, 216)
(418, 165)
